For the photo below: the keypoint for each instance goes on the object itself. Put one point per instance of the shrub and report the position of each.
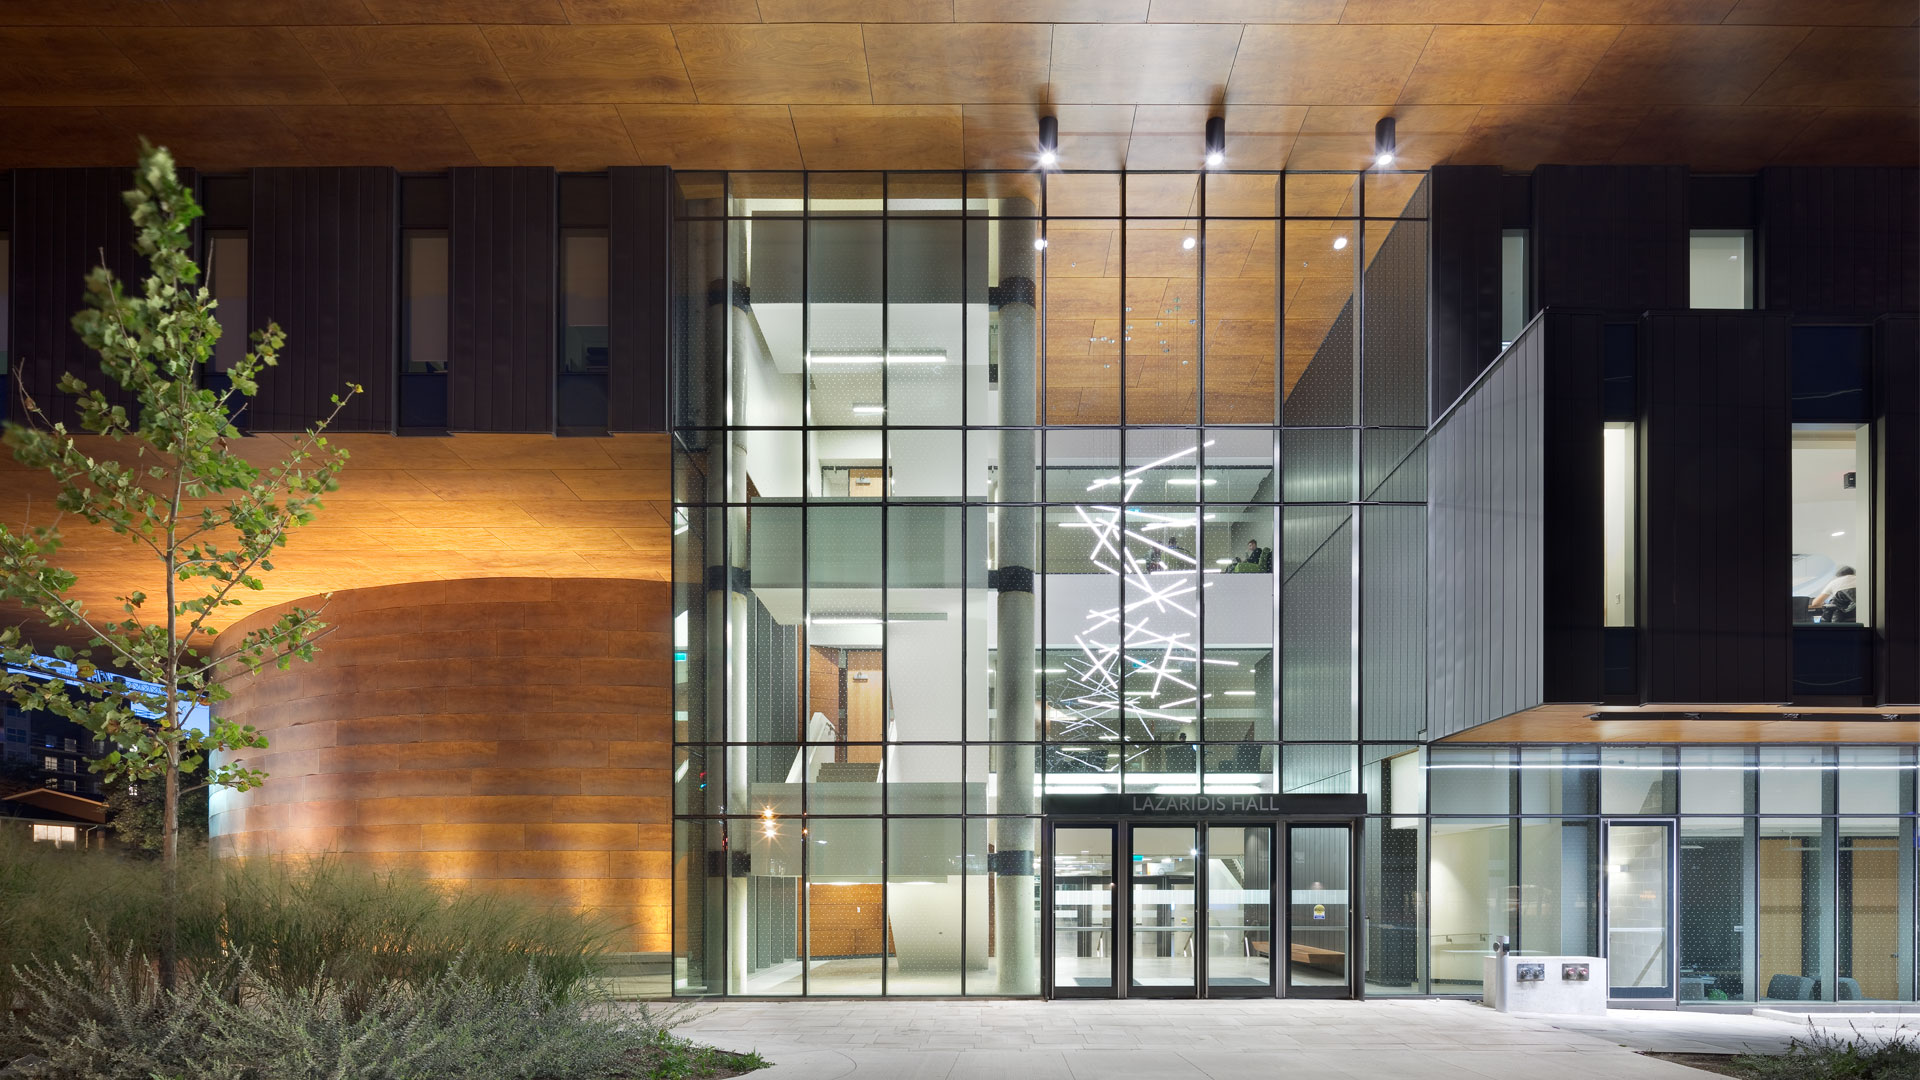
(297, 923)
(1822, 1056)
(108, 1019)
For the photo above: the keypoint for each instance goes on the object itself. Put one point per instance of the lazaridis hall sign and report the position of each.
(1154, 804)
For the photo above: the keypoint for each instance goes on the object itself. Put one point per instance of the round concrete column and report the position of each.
(511, 732)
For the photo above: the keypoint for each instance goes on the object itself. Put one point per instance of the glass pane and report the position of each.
(1716, 909)
(766, 885)
(1513, 285)
(1083, 907)
(423, 307)
(1793, 779)
(1160, 324)
(1713, 779)
(1639, 897)
(1395, 879)
(1240, 906)
(1317, 905)
(1242, 319)
(1394, 334)
(1557, 780)
(699, 907)
(1322, 262)
(1084, 327)
(846, 923)
(925, 274)
(1619, 489)
(1832, 501)
(1637, 780)
(1875, 934)
(1873, 779)
(925, 881)
(847, 357)
(583, 302)
(1393, 622)
(925, 642)
(1556, 898)
(1162, 900)
(1471, 878)
(1003, 909)
(1470, 780)
(1796, 928)
(1316, 681)
(1719, 268)
(226, 281)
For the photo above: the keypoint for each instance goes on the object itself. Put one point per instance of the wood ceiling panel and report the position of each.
(466, 11)
(270, 12)
(1055, 11)
(1004, 136)
(968, 63)
(714, 136)
(582, 137)
(662, 11)
(879, 136)
(403, 136)
(231, 138)
(1246, 11)
(1439, 11)
(591, 64)
(1857, 137)
(1768, 724)
(1845, 66)
(1506, 64)
(1325, 65)
(857, 11)
(1164, 63)
(86, 13)
(784, 64)
(1522, 136)
(57, 138)
(409, 65)
(1688, 65)
(60, 66)
(1632, 11)
(1713, 138)
(226, 65)
(1826, 12)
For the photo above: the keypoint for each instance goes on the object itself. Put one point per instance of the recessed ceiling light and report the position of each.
(1339, 243)
(1188, 243)
(1842, 532)
(869, 410)
(1040, 244)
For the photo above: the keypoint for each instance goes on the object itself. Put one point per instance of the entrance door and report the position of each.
(1319, 905)
(1239, 911)
(1639, 909)
(1082, 899)
(1164, 894)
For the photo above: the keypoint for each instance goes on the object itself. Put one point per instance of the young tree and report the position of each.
(166, 477)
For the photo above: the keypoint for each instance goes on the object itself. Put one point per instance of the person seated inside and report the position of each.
(1256, 560)
(1836, 602)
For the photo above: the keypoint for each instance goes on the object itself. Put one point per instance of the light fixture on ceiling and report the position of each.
(1842, 532)
(1049, 141)
(1384, 143)
(1216, 141)
(1339, 243)
(1040, 244)
(930, 356)
(1188, 243)
(869, 410)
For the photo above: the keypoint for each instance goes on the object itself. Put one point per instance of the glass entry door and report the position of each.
(1164, 864)
(1319, 903)
(1639, 910)
(1239, 903)
(1082, 898)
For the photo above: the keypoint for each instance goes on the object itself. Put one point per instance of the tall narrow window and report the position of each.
(1513, 284)
(1831, 520)
(581, 401)
(1619, 487)
(6, 289)
(1720, 268)
(227, 281)
(424, 330)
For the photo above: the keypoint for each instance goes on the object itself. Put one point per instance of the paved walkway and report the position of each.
(1215, 1040)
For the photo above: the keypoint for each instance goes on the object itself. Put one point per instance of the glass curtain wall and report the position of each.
(995, 485)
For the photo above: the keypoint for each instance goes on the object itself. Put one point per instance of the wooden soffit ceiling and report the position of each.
(940, 84)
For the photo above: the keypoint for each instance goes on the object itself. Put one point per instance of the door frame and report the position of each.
(1670, 990)
(1117, 936)
(1355, 985)
(1195, 940)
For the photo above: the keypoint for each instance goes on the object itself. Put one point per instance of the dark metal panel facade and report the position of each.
(1896, 510)
(321, 264)
(639, 331)
(502, 295)
(1610, 236)
(1486, 506)
(1572, 581)
(65, 221)
(1465, 327)
(1841, 240)
(1716, 508)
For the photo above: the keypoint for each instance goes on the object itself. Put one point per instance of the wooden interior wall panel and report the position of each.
(639, 275)
(1896, 510)
(502, 284)
(1465, 222)
(65, 222)
(321, 264)
(1571, 580)
(1715, 508)
(1607, 236)
(1840, 240)
(511, 734)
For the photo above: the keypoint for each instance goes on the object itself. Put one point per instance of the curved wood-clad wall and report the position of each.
(514, 732)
